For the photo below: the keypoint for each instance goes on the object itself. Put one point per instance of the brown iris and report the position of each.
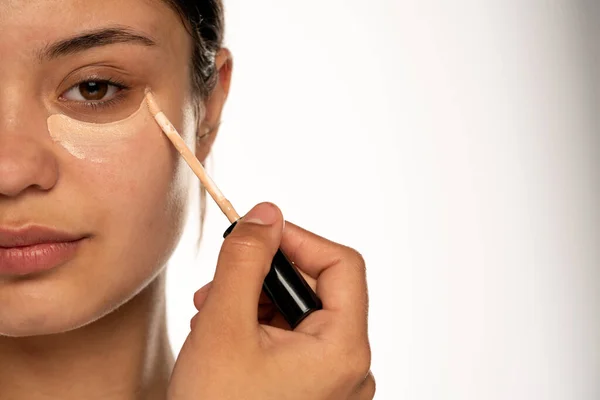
(93, 90)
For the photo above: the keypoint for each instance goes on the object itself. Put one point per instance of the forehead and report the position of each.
(30, 24)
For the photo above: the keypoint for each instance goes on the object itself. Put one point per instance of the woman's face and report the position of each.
(126, 197)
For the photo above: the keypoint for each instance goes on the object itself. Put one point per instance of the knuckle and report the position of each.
(363, 362)
(355, 258)
(355, 265)
(198, 297)
(358, 364)
(370, 386)
(201, 295)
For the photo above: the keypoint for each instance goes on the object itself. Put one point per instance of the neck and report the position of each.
(125, 355)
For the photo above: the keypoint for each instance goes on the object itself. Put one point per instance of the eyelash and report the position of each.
(106, 104)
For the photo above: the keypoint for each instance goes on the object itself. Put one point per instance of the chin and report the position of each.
(44, 308)
(41, 310)
(70, 299)
(41, 321)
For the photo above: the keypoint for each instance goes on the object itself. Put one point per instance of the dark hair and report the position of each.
(204, 21)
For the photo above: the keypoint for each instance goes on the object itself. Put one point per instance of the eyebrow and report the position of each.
(92, 39)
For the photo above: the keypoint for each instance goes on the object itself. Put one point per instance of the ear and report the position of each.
(209, 126)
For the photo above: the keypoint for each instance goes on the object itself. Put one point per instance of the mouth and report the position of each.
(35, 249)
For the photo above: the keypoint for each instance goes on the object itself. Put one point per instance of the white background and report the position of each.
(456, 145)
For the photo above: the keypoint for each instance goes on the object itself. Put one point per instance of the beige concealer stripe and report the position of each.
(89, 141)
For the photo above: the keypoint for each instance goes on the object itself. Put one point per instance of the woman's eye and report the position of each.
(91, 91)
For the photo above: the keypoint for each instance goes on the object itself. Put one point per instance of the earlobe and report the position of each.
(205, 140)
(203, 132)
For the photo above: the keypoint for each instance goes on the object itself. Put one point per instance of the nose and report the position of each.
(26, 160)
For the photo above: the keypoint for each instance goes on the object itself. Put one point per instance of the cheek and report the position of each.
(140, 185)
(136, 201)
(128, 170)
(143, 195)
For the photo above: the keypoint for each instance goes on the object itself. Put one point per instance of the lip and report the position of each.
(35, 249)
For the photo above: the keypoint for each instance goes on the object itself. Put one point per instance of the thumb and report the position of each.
(244, 261)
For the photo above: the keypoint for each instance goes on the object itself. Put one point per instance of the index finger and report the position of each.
(338, 269)
(311, 252)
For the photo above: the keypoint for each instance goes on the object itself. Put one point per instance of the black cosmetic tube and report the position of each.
(287, 289)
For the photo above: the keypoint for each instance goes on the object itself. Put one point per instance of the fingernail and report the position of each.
(262, 214)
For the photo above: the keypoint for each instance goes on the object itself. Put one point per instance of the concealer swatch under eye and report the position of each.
(92, 141)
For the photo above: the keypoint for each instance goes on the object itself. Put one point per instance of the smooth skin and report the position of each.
(95, 327)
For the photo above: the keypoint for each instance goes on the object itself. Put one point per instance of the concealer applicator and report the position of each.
(284, 285)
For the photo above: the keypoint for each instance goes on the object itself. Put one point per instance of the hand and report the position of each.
(230, 354)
